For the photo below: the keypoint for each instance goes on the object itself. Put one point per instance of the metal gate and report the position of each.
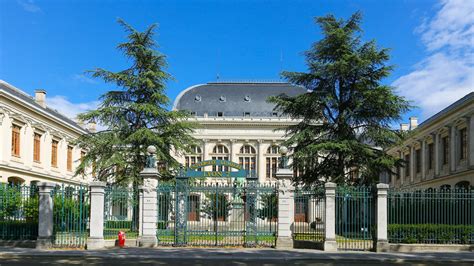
(310, 206)
(355, 218)
(229, 213)
(71, 211)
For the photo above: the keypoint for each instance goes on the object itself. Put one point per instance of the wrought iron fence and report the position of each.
(433, 216)
(355, 217)
(71, 212)
(18, 212)
(121, 211)
(225, 214)
(309, 207)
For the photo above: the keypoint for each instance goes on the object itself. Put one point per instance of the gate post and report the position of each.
(286, 203)
(382, 240)
(148, 201)
(45, 216)
(96, 234)
(330, 243)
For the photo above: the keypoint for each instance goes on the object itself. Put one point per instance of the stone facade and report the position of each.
(440, 151)
(31, 121)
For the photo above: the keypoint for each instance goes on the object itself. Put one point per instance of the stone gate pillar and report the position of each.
(96, 234)
(45, 216)
(381, 217)
(330, 243)
(286, 203)
(148, 202)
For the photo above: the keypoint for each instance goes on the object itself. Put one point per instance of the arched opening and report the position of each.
(463, 185)
(220, 152)
(15, 181)
(195, 156)
(248, 158)
(272, 161)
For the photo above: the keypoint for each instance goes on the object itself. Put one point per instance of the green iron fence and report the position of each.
(431, 216)
(355, 217)
(71, 211)
(310, 206)
(120, 212)
(18, 212)
(225, 214)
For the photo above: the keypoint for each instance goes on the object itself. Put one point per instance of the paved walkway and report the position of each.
(220, 255)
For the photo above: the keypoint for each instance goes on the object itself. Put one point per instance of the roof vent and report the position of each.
(222, 99)
(197, 98)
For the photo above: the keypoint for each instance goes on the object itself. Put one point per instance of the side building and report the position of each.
(37, 142)
(237, 123)
(440, 151)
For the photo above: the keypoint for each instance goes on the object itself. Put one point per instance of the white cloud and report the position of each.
(29, 6)
(447, 72)
(83, 78)
(67, 108)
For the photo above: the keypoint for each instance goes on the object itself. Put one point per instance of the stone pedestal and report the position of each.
(286, 212)
(330, 227)
(96, 232)
(382, 240)
(45, 216)
(148, 208)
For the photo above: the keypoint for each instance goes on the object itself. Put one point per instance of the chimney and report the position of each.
(40, 97)
(413, 122)
(404, 127)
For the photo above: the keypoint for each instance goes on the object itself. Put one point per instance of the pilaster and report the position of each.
(452, 148)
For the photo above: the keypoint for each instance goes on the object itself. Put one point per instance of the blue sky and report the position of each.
(49, 44)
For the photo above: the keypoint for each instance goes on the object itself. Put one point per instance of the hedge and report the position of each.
(431, 233)
(18, 230)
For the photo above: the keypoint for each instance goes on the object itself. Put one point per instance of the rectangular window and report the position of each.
(463, 144)
(418, 161)
(445, 144)
(220, 114)
(407, 166)
(37, 148)
(54, 153)
(69, 158)
(16, 141)
(246, 114)
(430, 156)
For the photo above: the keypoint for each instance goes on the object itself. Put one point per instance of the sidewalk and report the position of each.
(221, 254)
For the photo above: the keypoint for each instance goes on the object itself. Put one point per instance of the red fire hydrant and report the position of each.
(121, 239)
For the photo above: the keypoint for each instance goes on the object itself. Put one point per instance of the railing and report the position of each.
(309, 216)
(18, 212)
(71, 211)
(431, 216)
(120, 212)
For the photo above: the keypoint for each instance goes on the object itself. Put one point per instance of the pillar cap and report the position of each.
(330, 185)
(46, 185)
(97, 184)
(382, 186)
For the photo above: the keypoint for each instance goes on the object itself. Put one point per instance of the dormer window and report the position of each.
(274, 114)
(197, 98)
(247, 98)
(220, 114)
(222, 99)
(193, 113)
(246, 114)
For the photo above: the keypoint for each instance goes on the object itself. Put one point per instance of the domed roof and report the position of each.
(233, 98)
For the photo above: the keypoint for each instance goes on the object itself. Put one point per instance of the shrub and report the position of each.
(431, 233)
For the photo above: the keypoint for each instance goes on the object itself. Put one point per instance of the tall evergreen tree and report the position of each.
(346, 113)
(134, 116)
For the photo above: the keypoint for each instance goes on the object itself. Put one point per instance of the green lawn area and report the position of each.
(113, 233)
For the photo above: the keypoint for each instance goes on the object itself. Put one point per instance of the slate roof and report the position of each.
(27, 98)
(233, 98)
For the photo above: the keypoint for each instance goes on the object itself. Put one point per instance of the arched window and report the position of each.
(462, 185)
(272, 159)
(248, 158)
(194, 157)
(220, 152)
(15, 181)
(445, 187)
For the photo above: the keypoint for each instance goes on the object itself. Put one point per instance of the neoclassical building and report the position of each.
(37, 141)
(237, 123)
(440, 151)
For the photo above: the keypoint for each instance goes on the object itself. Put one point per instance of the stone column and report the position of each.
(470, 139)
(232, 150)
(96, 232)
(330, 227)
(286, 211)
(148, 201)
(382, 218)
(412, 163)
(452, 148)
(45, 216)
(402, 169)
(260, 169)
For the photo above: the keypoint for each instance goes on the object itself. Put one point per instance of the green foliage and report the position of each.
(269, 209)
(431, 233)
(18, 229)
(135, 115)
(347, 112)
(216, 206)
(68, 212)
